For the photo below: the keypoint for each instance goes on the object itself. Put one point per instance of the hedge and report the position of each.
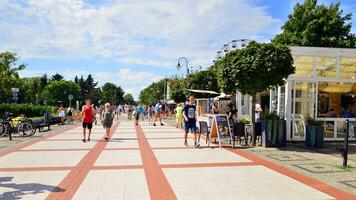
(29, 110)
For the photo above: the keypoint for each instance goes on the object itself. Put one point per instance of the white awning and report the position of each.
(203, 91)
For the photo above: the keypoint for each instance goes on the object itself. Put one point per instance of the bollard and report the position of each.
(346, 143)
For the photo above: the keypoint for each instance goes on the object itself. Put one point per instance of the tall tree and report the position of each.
(177, 90)
(44, 81)
(57, 91)
(202, 80)
(254, 69)
(76, 80)
(153, 93)
(128, 99)
(57, 77)
(112, 93)
(9, 76)
(311, 24)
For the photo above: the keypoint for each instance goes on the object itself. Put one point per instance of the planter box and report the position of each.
(314, 136)
(274, 133)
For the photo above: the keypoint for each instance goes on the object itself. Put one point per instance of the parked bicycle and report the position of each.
(20, 127)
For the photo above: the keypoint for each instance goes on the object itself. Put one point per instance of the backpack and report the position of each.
(108, 117)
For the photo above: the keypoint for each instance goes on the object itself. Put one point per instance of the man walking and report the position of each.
(190, 121)
(88, 112)
(158, 114)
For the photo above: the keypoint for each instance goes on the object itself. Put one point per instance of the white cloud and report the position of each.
(154, 32)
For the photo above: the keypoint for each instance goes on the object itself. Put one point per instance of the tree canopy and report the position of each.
(255, 68)
(112, 93)
(316, 25)
(9, 75)
(57, 91)
(202, 80)
(128, 99)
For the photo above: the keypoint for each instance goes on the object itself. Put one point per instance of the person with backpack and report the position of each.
(107, 119)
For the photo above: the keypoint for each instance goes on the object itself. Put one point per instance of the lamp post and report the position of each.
(186, 64)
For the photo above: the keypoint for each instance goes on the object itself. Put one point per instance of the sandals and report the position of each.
(84, 140)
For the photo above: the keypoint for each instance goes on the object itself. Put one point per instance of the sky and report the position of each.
(133, 43)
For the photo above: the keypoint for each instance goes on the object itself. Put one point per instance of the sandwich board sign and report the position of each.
(220, 128)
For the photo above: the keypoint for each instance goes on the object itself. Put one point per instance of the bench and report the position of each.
(40, 124)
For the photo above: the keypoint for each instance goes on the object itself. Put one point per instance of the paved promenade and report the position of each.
(146, 162)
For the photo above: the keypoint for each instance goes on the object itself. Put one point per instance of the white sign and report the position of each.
(15, 89)
(70, 97)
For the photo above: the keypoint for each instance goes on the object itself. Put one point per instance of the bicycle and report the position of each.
(20, 127)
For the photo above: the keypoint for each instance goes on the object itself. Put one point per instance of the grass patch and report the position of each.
(348, 168)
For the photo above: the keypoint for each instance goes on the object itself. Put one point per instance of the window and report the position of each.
(336, 99)
(303, 66)
(326, 67)
(348, 68)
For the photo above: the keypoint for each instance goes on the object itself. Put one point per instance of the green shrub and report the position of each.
(29, 110)
(314, 122)
(245, 120)
(271, 116)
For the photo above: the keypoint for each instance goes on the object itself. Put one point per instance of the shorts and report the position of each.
(87, 125)
(190, 125)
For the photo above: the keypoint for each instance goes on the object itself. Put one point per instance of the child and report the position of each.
(107, 120)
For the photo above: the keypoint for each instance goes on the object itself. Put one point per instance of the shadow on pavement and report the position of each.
(21, 190)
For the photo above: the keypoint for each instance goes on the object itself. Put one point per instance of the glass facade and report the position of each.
(323, 88)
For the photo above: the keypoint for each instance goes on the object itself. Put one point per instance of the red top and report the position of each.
(88, 115)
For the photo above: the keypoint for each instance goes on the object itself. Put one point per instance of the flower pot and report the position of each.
(314, 136)
(273, 133)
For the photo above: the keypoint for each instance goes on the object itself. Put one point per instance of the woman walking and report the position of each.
(107, 119)
(62, 113)
(87, 119)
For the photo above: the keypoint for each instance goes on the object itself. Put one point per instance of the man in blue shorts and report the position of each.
(190, 121)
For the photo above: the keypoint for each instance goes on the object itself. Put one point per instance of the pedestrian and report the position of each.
(179, 116)
(190, 121)
(232, 112)
(129, 113)
(137, 113)
(88, 112)
(158, 109)
(107, 119)
(150, 114)
(70, 115)
(62, 114)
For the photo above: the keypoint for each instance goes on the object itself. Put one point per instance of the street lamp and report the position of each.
(186, 64)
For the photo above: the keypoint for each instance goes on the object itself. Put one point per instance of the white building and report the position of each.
(323, 88)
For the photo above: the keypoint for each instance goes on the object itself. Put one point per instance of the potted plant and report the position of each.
(273, 131)
(314, 136)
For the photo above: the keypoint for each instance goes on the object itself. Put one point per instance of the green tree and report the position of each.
(57, 77)
(31, 90)
(202, 80)
(9, 77)
(128, 99)
(177, 90)
(44, 81)
(153, 93)
(57, 91)
(112, 93)
(311, 24)
(254, 69)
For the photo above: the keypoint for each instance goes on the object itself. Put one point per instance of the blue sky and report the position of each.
(133, 42)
